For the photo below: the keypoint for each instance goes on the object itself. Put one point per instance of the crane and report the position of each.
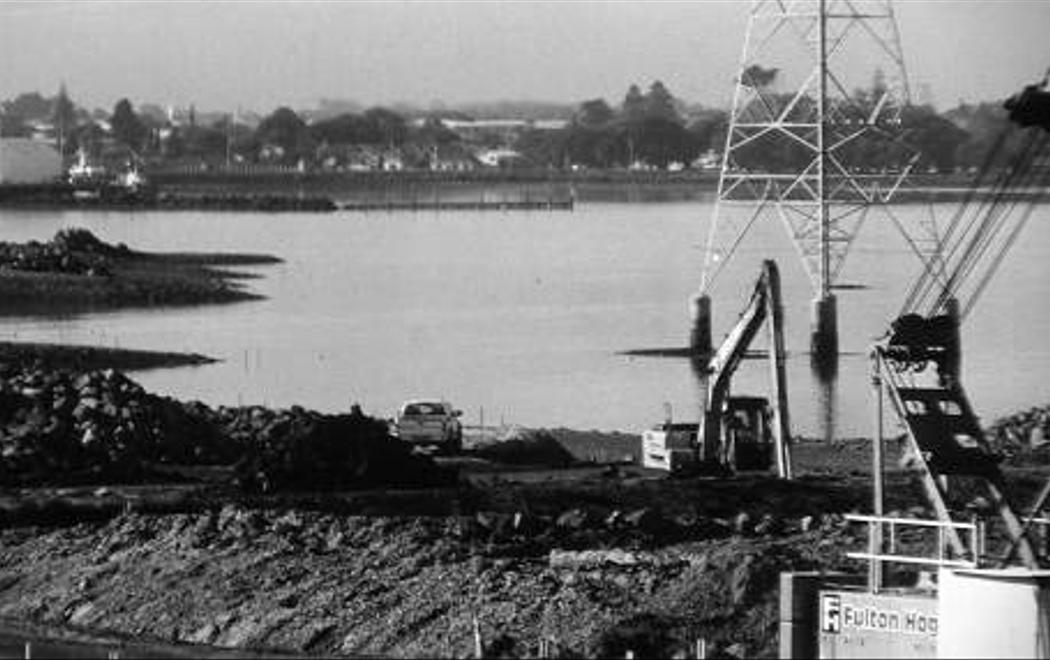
(941, 427)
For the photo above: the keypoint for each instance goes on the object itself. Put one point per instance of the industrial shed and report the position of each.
(25, 161)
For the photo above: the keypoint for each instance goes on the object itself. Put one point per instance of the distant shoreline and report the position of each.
(289, 190)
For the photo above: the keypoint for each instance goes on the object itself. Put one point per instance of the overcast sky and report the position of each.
(259, 55)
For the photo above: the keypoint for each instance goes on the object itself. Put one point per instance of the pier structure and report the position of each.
(819, 96)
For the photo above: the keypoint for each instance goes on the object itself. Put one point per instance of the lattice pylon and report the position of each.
(807, 143)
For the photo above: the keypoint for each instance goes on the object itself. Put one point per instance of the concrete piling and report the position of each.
(824, 337)
(700, 333)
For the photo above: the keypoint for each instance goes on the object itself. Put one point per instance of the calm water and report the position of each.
(522, 314)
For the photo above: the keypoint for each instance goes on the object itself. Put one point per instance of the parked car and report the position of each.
(429, 422)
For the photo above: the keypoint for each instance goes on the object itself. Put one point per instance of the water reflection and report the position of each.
(826, 404)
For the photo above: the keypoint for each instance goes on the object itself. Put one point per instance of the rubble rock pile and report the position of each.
(1023, 436)
(66, 426)
(71, 251)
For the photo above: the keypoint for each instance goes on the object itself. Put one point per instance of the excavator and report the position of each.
(735, 433)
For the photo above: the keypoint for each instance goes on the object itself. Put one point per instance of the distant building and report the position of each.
(497, 157)
(24, 160)
(502, 131)
(709, 160)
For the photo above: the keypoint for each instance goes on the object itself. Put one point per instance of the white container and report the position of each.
(993, 613)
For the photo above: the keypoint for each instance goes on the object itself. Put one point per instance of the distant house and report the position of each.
(450, 158)
(497, 157)
(42, 131)
(390, 160)
(271, 153)
(499, 131)
(709, 160)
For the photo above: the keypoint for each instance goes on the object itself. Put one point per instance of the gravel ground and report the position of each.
(411, 586)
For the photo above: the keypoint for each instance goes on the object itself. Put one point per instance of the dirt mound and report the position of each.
(520, 446)
(302, 450)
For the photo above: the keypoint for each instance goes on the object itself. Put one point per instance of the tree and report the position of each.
(709, 129)
(286, 130)
(659, 104)
(543, 148)
(343, 129)
(63, 116)
(937, 138)
(660, 142)
(127, 128)
(634, 103)
(28, 106)
(388, 126)
(434, 132)
(758, 77)
(595, 112)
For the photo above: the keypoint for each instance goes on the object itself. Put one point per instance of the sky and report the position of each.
(261, 55)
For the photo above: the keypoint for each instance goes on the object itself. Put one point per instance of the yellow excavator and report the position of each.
(735, 433)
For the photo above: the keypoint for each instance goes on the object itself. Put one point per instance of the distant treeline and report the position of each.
(645, 130)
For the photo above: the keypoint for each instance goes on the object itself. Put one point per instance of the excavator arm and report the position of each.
(765, 304)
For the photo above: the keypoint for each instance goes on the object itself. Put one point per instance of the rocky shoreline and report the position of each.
(76, 272)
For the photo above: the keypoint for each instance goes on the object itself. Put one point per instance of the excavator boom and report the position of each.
(764, 305)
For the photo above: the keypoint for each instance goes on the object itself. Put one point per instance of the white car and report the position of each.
(430, 422)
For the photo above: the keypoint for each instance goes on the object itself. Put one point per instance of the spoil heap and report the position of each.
(88, 427)
(69, 427)
(298, 449)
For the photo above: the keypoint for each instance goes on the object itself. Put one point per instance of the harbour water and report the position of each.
(521, 316)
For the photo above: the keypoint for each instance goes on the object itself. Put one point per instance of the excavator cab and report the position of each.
(748, 433)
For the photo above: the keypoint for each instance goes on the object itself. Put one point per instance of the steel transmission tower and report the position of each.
(815, 141)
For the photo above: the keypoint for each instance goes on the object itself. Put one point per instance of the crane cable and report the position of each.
(972, 238)
(920, 288)
(997, 215)
(1040, 194)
